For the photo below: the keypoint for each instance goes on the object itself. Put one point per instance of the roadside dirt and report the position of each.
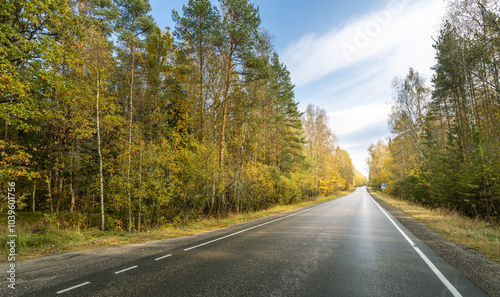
(484, 272)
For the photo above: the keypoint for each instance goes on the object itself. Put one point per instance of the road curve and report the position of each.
(345, 247)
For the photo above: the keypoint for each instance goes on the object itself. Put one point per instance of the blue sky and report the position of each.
(343, 56)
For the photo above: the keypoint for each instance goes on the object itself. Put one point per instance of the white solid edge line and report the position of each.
(241, 231)
(431, 265)
(74, 287)
(397, 227)
(163, 257)
(438, 273)
(126, 269)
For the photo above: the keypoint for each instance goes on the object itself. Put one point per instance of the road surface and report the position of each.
(349, 246)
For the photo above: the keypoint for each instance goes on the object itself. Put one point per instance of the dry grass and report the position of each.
(45, 240)
(474, 233)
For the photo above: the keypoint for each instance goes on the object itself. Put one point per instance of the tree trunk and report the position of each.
(34, 193)
(99, 150)
(224, 121)
(72, 193)
(59, 192)
(49, 188)
(229, 73)
(202, 95)
(132, 65)
(140, 194)
(223, 132)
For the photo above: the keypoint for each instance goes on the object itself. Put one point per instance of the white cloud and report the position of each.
(354, 119)
(403, 28)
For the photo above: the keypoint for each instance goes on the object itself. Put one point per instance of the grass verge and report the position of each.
(37, 239)
(474, 233)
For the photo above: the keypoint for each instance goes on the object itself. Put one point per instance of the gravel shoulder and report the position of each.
(484, 272)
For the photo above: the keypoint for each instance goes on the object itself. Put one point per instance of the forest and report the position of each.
(445, 144)
(110, 122)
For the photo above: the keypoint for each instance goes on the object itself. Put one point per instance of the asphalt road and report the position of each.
(346, 247)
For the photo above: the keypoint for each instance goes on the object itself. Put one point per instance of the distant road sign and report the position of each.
(382, 185)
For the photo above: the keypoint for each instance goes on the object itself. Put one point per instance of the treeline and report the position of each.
(111, 122)
(446, 143)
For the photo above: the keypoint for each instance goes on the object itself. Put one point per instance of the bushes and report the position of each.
(261, 186)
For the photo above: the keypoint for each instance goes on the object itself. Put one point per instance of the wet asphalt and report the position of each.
(345, 247)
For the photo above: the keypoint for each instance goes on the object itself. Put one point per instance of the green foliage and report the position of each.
(445, 147)
(111, 122)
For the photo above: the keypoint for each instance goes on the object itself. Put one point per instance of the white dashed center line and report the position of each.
(163, 257)
(126, 269)
(197, 246)
(74, 287)
(236, 233)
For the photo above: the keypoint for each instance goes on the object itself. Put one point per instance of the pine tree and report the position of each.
(197, 29)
